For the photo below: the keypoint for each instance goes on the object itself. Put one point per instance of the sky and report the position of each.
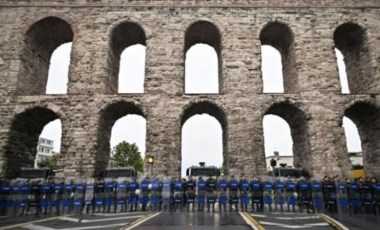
(201, 134)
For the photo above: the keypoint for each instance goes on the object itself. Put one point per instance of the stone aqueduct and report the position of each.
(304, 31)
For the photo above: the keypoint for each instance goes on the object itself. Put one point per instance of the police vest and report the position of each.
(201, 185)
(144, 185)
(290, 186)
(166, 185)
(245, 185)
(132, 186)
(304, 185)
(190, 185)
(316, 186)
(377, 187)
(5, 189)
(279, 185)
(234, 185)
(354, 187)
(68, 188)
(177, 185)
(268, 186)
(25, 189)
(109, 187)
(223, 185)
(342, 187)
(57, 187)
(255, 185)
(155, 186)
(211, 184)
(122, 186)
(46, 188)
(79, 188)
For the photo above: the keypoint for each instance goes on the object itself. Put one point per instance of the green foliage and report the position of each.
(51, 162)
(125, 154)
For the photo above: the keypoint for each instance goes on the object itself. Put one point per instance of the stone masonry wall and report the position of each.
(316, 101)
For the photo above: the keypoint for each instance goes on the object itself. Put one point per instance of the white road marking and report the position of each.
(297, 218)
(118, 214)
(98, 220)
(142, 221)
(258, 215)
(38, 227)
(293, 226)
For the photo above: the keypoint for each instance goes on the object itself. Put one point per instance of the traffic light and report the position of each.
(150, 159)
(273, 162)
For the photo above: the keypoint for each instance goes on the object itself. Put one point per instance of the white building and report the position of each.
(44, 150)
(355, 158)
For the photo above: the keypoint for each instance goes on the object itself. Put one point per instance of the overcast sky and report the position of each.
(201, 134)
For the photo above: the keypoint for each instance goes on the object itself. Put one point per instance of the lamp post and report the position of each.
(150, 160)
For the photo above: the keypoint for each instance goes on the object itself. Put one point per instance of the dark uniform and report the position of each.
(190, 193)
(36, 191)
(244, 190)
(99, 195)
(257, 195)
(201, 194)
(304, 194)
(222, 187)
(233, 185)
(211, 186)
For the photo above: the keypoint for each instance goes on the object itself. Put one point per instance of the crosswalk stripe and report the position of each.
(292, 226)
(99, 220)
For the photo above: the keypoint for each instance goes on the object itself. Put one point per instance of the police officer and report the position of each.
(257, 194)
(329, 195)
(57, 194)
(190, 193)
(24, 202)
(166, 194)
(201, 194)
(155, 194)
(223, 187)
(144, 198)
(4, 196)
(211, 187)
(99, 194)
(304, 194)
(244, 190)
(110, 195)
(68, 196)
(36, 192)
(132, 196)
(376, 195)
(366, 195)
(177, 188)
(233, 185)
(290, 189)
(353, 193)
(279, 196)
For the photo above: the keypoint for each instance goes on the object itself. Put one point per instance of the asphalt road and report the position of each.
(196, 220)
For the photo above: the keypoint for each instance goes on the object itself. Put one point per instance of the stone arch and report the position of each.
(23, 136)
(214, 110)
(281, 37)
(297, 121)
(366, 117)
(351, 40)
(108, 116)
(205, 32)
(41, 39)
(122, 35)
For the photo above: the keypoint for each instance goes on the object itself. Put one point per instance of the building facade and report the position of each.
(44, 150)
(305, 33)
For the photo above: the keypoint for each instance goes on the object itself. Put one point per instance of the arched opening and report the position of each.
(350, 39)
(367, 120)
(342, 72)
(198, 145)
(353, 142)
(280, 37)
(124, 37)
(42, 38)
(58, 76)
(132, 69)
(297, 121)
(278, 141)
(23, 138)
(202, 58)
(125, 121)
(49, 145)
(271, 68)
(201, 70)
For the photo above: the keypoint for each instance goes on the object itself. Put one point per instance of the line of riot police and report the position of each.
(58, 196)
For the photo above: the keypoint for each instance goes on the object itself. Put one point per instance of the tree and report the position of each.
(50, 162)
(125, 154)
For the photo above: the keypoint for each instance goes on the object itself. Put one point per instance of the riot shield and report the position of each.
(89, 195)
(268, 189)
(144, 196)
(99, 194)
(68, 195)
(79, 194)
(46, 195)
(291, 194)
(244, 198)
(342, 197)
(234, 194)
(330, 196)
(354, 197)
(166, 194)
(155, 194)
(256, 195)
(316, 192)
(110, 194)
(223, 194)
(15, 197)
(211, 193)
(24, 197)
(57, 194)
(279, 195)
(5, 189)
(121, 194)
(133, 194)
(367, 197)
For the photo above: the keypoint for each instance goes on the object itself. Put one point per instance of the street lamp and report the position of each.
(150, 160)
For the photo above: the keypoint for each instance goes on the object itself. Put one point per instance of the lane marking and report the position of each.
(287, 218)
(332, 222)
(32, 222)
(117, 214)
(142, 220)
(80, 220)
(39, 227)
(251, 221)
(293, 226)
